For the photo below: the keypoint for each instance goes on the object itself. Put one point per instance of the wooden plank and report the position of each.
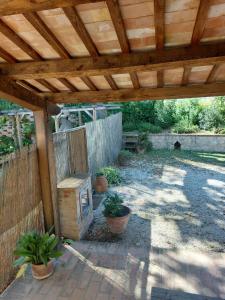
(118, 23)
(69, 85)
(117, 64)
(160, 79)
(89, 83)
(6, 56)
(22, 6)
(212, 74)
(48, 85)
(79, 27)
(159, 10)
(44, 31)
(186, 74)
(200, 22)
(111, 82)
(10, 34)
(214, 89)
(28, 86)
(42, 140)
(134, 79)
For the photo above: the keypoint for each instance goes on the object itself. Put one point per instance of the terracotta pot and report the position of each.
(42, 271)
(118, 225)
(101, 184)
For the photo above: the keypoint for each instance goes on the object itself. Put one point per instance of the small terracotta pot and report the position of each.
(101, 184)
(42, 271)
(118, 225)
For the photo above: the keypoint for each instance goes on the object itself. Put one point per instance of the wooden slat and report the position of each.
(6, 56)
(134, 79)
(10, 34)
(200, 21)
(212, 74)
(118, 64)
(160, 79)
(190, 91)
(44, 31)
(111, 82)
(79, 27)
(69, 85)
(28, 86)
(89, 83)
(22, 6)
(186, 74)
(48, 85)
(159, 10)
(118, 23)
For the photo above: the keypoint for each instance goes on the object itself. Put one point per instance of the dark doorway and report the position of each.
(177, 146)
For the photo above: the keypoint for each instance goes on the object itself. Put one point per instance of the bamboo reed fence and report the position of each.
(20, 205)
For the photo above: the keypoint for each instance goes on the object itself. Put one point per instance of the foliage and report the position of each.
(5, 105)
(165, 114)
(36, 248)
(124, 156)
(112, 174)
(3, 121)
(184, 126)
(144, 142)
(148, 127)
(113, 206)
(7, 145)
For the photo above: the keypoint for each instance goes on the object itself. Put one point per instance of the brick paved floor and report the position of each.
(105, 271)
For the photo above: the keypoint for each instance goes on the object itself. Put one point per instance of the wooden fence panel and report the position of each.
(20, 205)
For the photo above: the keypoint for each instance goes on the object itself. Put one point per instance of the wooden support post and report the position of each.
(43, 139)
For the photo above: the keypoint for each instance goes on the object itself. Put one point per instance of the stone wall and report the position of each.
(196, 142)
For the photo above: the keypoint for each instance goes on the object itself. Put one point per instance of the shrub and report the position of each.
(220, 131)
(36, 248)
(144, 143)
(148, 127)
(113, 206)
(7, 145)
(124, 156)
(112, 174)
(185, 127)
(129, 126)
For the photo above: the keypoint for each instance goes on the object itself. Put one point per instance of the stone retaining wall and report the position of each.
(210, 143)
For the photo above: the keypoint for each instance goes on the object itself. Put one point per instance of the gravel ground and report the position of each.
(176, 202)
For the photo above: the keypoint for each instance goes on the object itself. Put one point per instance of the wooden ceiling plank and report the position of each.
(212, 74)
(121, 95)
(68, 84)
(89, 83)
(117, 64)
(111, 82)
(115, 13)
(22, 6)
(134, 79)
(186, 74)
(79, 27)
(44, 31)
(159, 17)
(12, 36)
(200, 22)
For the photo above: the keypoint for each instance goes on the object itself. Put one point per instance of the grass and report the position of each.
(196, 156)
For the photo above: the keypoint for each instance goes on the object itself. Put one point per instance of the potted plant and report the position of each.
(117, 215)
(101, 183)
(38, 250)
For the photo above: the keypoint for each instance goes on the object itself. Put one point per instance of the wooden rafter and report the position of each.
(67, 83)
(186, 74)
(22, 6)
(111, 82)
(44, 31)
(134, 79)
(48, 86)
(212, 74)
(89, 83)
(159, 11)
(160, 79)
(79, 27)
(214, 89)
(28, 86)
(117, 64)
(118, 23)
(200, 21)
(6, 56)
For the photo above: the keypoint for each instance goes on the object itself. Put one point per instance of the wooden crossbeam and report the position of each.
(160, 79)
(6, 56)
(214, 89)
(22, 6)
(117, 64)
(186, 74)
(44, 31)
(200, 21)
(111, 82)
(134, 79)
(79, 27)
(69, 85)
(159, 10)
(212, 74)
(48, 86)
(114, 10)
(89, 83)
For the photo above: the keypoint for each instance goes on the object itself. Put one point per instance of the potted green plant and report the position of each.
(101, 182)
(38, 250)
(117, 215)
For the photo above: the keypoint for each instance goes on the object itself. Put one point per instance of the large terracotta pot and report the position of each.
(118, 225)
(42, 271)
(101, 184)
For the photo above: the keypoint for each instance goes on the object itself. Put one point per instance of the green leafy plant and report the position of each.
(98, 174)
(112, 175)
(113, 206)
(184, 126)
(143, 142)
(36, 248)
(7, 145)
(148, 127)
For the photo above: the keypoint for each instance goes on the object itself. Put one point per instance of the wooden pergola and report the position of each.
(73, 51)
